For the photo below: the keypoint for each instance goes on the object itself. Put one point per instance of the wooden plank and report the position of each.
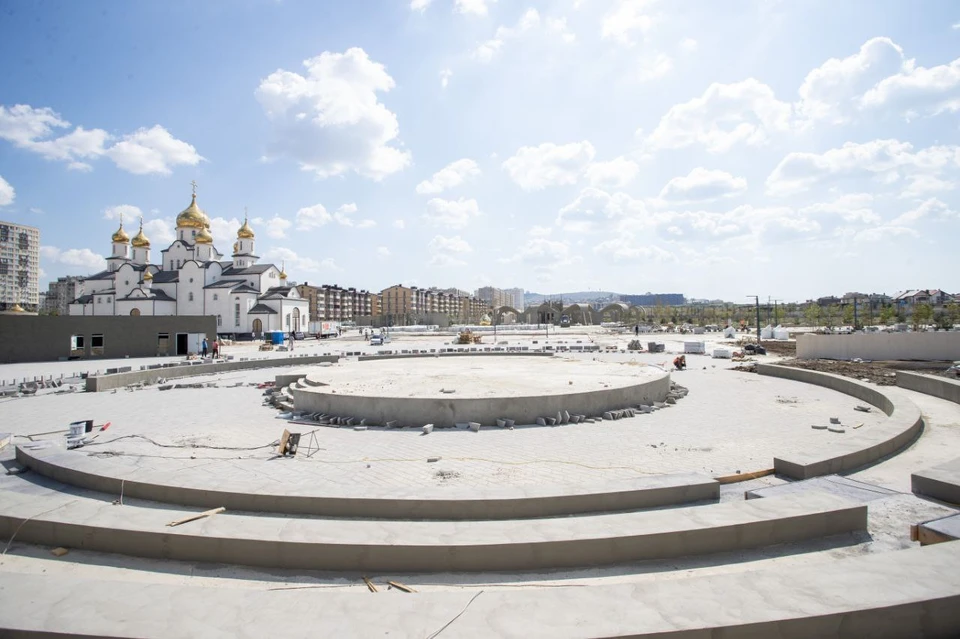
(400, 586)
(206, 513)
(733, 479)
(370, 586)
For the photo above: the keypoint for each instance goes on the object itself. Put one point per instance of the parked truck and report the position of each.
(325, 329)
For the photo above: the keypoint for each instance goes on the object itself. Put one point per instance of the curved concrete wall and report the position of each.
(447, 411)
(935, 385)
(904, 423)
(101, 383)
(514, 502)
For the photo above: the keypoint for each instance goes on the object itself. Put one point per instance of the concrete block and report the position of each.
(671, 400)
(541, 421)
(391, 424)
(566, 417)
(427, 429)
(475, 426)
(502, 423)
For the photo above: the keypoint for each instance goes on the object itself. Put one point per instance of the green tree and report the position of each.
(831, 315)
(812, 315)
(942, 321)
(848, 314)
(887, 315)
(922, 315)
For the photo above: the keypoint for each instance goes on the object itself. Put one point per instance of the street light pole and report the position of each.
(756, 299)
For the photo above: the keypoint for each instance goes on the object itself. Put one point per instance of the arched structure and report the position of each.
(579, 314)
(506, 315)
(618, 313)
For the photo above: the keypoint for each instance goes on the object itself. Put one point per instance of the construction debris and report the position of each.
(59, 552)
(400, 586)
(370, 586)
(204, 514)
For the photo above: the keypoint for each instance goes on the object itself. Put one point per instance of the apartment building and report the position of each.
(401, 305)
(60, 293)
(19, 266)
(333, 303)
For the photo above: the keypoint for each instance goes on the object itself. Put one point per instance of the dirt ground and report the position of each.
(880, 373)
(773, 347)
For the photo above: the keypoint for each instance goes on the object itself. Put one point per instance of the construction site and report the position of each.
(577, 483)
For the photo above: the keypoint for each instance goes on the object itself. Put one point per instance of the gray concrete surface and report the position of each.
(940, 482)
(909, 593)
(52, 514)
(855, 491)
(859, 447)
(288, 494)
(948, 389)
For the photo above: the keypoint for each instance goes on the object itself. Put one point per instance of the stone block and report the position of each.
(541, 421)
(475, 426)
(427, 429)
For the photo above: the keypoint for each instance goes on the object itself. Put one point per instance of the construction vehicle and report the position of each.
(466, 336)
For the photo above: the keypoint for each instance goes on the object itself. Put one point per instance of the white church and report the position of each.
(193, 278)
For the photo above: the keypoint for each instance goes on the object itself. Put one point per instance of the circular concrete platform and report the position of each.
(445, 391)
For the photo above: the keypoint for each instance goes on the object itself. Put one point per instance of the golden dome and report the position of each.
(121, 235)
(140, 240)
(245, 232)
(192, 217)
(16, 308)
(283, 273)
(148, 277)
(203, 237)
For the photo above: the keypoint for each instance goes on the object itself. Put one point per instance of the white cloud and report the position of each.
(652, 68)
(535, 168)
(529, 22)
(152, 150)
(593, 207)
(627, 19)
(540, 231)
(399, 224)
(830, 91)
(616, 173)
(296, 263)
(629, 249)
(160, 231)
(450, 176)
(541, 253)
(330, 119)
(453, 214)
(886, 161)
(145, 151)
(313, 217)
(80, 258)
(419, 5)
(472, 7)
(881, 233)
(277, 227)
(918, 89)
(702, 185)
(932, 208)
(383, 252)
(445, 75)
(851, 208)
(7, 194)
(446, 250)
(688, 45)
(221, 228)
(725, 115)
(127, 212)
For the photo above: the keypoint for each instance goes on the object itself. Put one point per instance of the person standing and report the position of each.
(216, 348)
(203, 347)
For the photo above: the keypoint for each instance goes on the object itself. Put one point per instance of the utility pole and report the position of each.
(756, 299)
(856, 322)
(776, 318)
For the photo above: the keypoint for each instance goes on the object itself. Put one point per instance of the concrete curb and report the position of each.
(475, 504)
(904, 423)
(930, 385)
(428, 546)
(100, 383)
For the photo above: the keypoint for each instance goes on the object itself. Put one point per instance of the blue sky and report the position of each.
(790, 149)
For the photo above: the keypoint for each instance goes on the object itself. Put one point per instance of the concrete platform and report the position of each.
(907, 593)
(938, 531)
(51, 515)
(855, 491)
(941, 482)
(936, 385)
(292, 493)
(857, 448)
(447, 391)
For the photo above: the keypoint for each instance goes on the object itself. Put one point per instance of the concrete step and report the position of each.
(50, 515)
(906, 593)
(221, 484)
(940, 482)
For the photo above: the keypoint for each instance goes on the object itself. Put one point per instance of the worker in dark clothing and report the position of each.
(680, 362)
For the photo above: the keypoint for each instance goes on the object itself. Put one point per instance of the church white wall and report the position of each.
(190, 290)
(126, 279)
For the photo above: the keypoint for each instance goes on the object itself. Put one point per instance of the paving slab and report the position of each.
(855, 491)
(939, 530)
(908, 593)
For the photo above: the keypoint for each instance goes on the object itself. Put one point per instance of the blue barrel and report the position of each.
(276, 337)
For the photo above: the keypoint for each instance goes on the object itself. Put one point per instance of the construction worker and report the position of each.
(680, 362)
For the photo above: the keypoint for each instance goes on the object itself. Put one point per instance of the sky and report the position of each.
(716, 149)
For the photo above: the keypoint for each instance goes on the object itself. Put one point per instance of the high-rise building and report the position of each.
(514, 298)
(60, 293)
(19, 266)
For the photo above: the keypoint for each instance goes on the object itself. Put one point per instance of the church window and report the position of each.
(236, 314)
(215, 297)
(191, 280)
(190, 297)
(126, 282)
(99, 301)
(219, 320)
(171, 265)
